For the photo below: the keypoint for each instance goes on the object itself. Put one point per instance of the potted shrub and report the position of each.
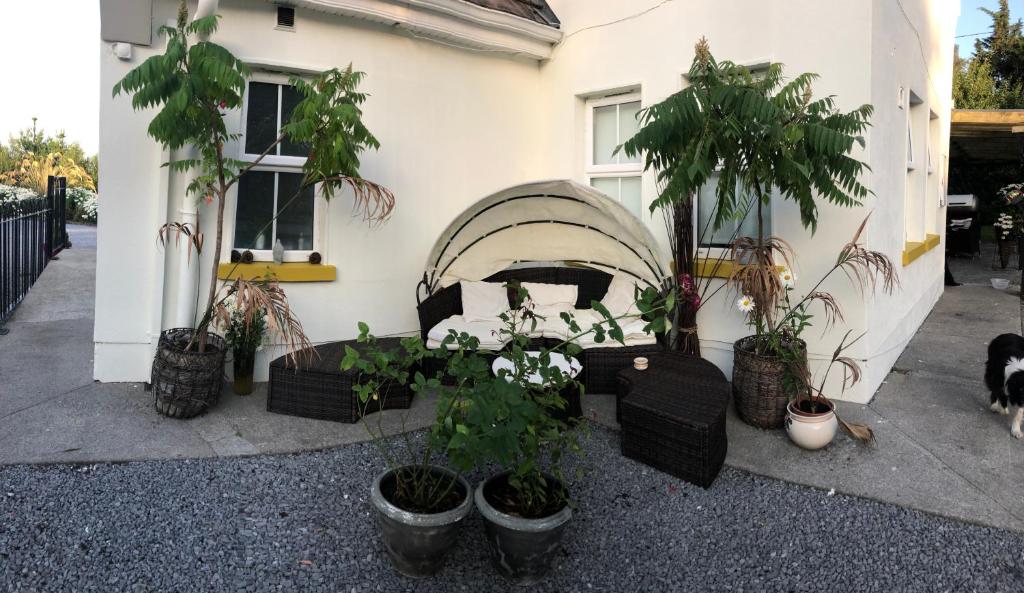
(776, 348)
(761, 133)
(191, 86)
(419, 505)
(516, 420)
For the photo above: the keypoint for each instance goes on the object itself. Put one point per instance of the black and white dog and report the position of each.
(1004, 376)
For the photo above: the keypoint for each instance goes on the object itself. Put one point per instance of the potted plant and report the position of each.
(758, 134)
(244, 337)
(1006, 239)
(777, 349)
(515, 419)
(192, 85)
(419, 505)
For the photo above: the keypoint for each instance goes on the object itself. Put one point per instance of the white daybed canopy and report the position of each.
(544, 221)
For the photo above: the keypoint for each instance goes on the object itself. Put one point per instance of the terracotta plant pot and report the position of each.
(811, 430)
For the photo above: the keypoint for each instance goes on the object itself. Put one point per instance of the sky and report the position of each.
(67, 60)
(51, 68)
(974, 21)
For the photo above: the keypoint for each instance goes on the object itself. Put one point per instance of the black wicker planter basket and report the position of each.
(758, 385)
(185, 384)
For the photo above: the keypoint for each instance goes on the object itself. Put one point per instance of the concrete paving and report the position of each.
(938, 447)
(52, 411)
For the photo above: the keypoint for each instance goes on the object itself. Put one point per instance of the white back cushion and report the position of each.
(551, 299)
(620, 300)
(483, 301)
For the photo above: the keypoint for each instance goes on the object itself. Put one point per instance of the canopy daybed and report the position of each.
(573, 243)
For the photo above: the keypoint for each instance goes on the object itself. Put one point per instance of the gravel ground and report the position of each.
(302, 523)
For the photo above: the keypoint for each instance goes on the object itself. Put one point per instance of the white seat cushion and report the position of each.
(632, 332)
(485, 331)
(483, 301)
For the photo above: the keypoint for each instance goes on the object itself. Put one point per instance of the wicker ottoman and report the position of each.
(322, 390)
(673, 416)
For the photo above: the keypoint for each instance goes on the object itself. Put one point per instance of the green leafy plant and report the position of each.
(482, 418)
(194, 83)
(515, 421)
(760, 134)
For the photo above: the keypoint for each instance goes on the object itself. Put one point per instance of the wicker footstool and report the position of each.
(673, 416)
(322, 390)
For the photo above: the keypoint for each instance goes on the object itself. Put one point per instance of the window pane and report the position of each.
(254, 211)
(260, 117)
(295, 217)
(605, 134)
(706, 203)
(628, 128)
(289, 99)
(748, 227)
(606, 185)
(629, 195)
(706, 213)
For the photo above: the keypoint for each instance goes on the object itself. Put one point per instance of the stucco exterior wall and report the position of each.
(457, 124)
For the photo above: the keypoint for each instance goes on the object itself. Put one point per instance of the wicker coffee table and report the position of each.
(320, 389)
(673, 416)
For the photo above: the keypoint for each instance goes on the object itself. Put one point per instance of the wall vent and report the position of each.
(285, 17)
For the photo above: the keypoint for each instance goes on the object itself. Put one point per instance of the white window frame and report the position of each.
(617, 170)
(276, 164)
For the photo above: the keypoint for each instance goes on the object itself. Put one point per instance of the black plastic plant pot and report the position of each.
(418, 543)
(521, 549)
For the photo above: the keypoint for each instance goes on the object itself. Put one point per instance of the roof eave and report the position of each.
(450, 21)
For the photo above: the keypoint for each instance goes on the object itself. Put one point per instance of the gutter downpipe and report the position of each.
(188, 214)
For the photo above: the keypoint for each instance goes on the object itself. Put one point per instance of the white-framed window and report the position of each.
(269, 205)
(611, 121)
(709, 239)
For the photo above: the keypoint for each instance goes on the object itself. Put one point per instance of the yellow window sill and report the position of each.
(287, 272)
(713, 268)
(915, 249)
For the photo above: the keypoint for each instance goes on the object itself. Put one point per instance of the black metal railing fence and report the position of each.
(32, 232)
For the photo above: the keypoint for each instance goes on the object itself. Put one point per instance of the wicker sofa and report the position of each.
(600, 364)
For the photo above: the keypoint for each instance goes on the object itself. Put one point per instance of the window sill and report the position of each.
(287, 272)
(915, 249)
(710, 267)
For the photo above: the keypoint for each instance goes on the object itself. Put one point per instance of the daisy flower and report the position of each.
(787, 278)
(745, 304)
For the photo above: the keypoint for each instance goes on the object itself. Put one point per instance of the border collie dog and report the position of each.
(1004, 376)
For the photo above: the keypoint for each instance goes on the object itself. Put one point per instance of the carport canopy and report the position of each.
(987, 136)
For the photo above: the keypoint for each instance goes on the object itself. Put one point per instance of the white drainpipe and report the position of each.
(189, 261)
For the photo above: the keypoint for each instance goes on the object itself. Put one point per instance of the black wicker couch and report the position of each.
(600, 365)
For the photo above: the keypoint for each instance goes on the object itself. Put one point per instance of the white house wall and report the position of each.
(454, 126)
(457, 124)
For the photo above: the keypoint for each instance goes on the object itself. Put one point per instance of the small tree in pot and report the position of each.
(192, 85)
(759, 134)
(778, 335)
